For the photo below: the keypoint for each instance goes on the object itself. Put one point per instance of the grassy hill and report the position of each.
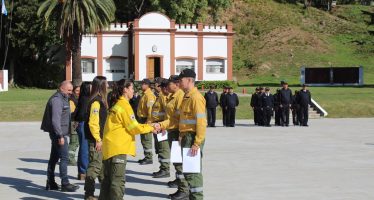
(273, 40)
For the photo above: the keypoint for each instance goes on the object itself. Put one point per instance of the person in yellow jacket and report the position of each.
(145, 116)
(192, 127)
(158, 114)
(73, 142)
(94, 129)
(171, 124)
(119, 140)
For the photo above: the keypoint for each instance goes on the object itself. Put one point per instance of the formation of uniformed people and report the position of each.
(228, 102)
(265, 105)
(109, 123)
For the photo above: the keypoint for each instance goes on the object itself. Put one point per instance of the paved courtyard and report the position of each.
(331, 160)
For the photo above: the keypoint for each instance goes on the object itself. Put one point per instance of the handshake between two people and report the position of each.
(157, 129)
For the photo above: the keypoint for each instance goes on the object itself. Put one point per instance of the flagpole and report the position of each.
(10, 29)
(1, 27)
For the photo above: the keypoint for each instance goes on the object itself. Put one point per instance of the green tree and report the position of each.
(32, 54)
(183, 11)
(75, 18)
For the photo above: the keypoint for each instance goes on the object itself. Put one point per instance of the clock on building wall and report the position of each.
(154, 48)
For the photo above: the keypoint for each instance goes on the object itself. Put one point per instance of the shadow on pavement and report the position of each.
(141, 193)
(143, 181)
(137, 173)
(29, 188)
(34, 160)
(40, 172)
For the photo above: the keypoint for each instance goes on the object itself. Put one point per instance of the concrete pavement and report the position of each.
(333, 159)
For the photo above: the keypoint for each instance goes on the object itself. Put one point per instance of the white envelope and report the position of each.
(176, 152)
(161, 137)
(191, 164)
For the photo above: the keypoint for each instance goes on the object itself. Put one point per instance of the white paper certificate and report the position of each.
(191, 164)
(162, 136)
(176, 152)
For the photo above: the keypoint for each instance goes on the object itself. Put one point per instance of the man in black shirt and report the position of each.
(277, 110)
(223, 104)
(211, 99)
(304, 100)
(232, 101)
(267, 104)
(285, 104)
(254, 102)
(295, 109)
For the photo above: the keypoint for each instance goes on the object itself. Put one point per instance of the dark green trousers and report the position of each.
(73, 145)
(194, 180)
(94, 169)
(113, 185)
(163, 150)
(182, 183)
(146, 140)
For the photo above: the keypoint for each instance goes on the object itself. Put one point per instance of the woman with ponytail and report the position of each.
(119, 140)
(94, 129)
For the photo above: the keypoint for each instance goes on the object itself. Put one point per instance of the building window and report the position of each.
(184, 64)
(88, 66)
(115, 65)
(215, 66)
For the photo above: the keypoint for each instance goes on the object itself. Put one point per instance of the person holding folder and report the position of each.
(171, 124)
(119, 140)
(192, 128)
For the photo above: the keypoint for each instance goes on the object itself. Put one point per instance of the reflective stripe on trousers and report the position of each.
(197, 189)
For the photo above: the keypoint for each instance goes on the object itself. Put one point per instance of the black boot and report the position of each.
(179, 195)
(173, 184)
(69, 188)
(145, 161)
(52, 185)
(161, 174)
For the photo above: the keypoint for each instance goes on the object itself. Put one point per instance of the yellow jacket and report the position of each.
(158, 108)
(72, 106)
(120, 130)
(172, 111)
(192, 115)
(94, 121)
(145, 105)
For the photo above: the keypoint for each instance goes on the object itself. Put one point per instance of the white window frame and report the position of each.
(85, 61)
(184, 63)
(121, 69)
(218, 66)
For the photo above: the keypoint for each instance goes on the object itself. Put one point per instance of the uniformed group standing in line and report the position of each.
(109, 123)
(228, 102)
(265, 105)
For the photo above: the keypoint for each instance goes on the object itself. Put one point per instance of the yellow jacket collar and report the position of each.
(191, 92)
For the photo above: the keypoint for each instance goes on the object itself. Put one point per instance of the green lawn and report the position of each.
(339, 102)
(23, 104)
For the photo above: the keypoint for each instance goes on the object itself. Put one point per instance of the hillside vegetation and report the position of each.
(273, 40)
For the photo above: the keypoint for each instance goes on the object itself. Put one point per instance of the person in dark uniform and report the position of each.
(222, 103)
(304, 100)
(211, 99)
(277, 110)
(267, 104)
(254, 101)
(259, 107)
(295, 109)
(134, 102)
(285, 104)
(232, 102)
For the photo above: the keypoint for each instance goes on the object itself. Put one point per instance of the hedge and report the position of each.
(217, 84)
